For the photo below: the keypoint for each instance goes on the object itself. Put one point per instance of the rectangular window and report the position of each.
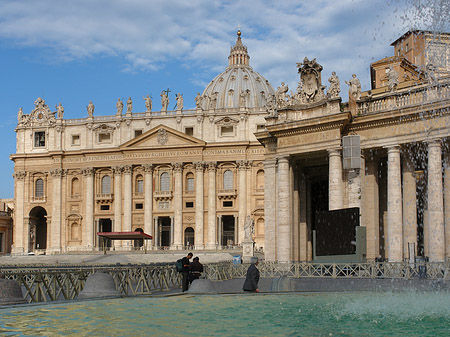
(75, 139)
(140, 186)
(260, 127)
(104, 137)
(39, 139)
(189, 204)
(104, 207)
(227, 131)
(189, 131)
(227, 204)
(190, 184)
(137, 133)
(139, 206)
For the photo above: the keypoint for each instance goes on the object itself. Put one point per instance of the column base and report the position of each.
(199, 247)
(211, 246)
(177, 246)
(18, 251)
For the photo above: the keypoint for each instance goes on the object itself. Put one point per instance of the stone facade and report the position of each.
(191, 178)
(6, 225)
(397, 176)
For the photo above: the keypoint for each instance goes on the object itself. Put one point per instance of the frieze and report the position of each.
(308, 138)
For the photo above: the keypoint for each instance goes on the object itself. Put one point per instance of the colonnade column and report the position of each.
(436, 231)
(335, 191)
(148, 202)
(370, 216)
(212, 241)
(394, 207)
(88, 234)
(270, 209)
(447, 207)
(199, 211)
(127, 203)
(21, 228)
(117, 170)
(284, 212)
(178, 207)
(55, 228)
(242, 167)
(409, 205)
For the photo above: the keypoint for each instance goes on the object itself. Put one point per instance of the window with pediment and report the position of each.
(106, 185)
(228, 183)
(39, 188)
(164, 181)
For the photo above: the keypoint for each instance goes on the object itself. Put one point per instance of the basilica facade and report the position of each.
(277, 161)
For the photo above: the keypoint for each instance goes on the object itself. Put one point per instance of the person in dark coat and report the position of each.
(196, 269)
(185, 272)
(252, 277)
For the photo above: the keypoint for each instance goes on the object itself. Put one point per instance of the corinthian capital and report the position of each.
(20, 174)
(117, 170)
(199, 165)
(178, 167)
(88, 171)
(148, 167)
(242, 164)
(211, 165)
(127, 169)
(56, 172)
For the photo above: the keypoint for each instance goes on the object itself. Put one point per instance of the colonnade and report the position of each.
(285, 219)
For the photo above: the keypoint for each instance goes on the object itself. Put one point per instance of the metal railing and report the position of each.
(46, 284)
(65, 283)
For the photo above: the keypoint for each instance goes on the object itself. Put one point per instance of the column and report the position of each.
(242, 169)
(127, 204)
(21, 227)
(88, 237)
(148, 202)
(371, 209)
(199, 211)
(156, 226)
(336, 197)
(394, 207)
(284, 212)
(303, 230)
(270, 189)
(55, 228)
(212, 241)
(409, 205)
(117, 170)
(447, 207)
(436, 231)
(178, 206)
(295, 213)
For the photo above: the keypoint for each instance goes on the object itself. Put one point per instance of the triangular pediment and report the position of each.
(162, 136)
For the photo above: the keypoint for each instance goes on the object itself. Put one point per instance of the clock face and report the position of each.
(40, 115)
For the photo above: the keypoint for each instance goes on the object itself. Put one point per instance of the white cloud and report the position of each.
(344, 36)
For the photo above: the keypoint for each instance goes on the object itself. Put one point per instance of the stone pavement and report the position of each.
(113, 258)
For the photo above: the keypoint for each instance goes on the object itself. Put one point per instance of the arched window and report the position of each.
(106, 185)
(39, 188)
(228, 180)
(139, 184)
(75, 186)
(260, 179)
(190, 182)
(164, 181)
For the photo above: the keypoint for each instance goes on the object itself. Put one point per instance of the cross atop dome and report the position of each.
(238, 54)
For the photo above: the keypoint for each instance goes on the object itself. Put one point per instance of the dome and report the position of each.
(239, 85)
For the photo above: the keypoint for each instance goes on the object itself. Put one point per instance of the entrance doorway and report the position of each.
(228, 230)
(104, 225)
(189, 237)
(138, 243)
(38, 229)
(164, 230)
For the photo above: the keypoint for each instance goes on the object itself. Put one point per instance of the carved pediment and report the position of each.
(226, 121)
(39, 116)
(103, 128)
(162, 136)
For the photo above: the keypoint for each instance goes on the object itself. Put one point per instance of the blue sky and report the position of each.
(80, 50)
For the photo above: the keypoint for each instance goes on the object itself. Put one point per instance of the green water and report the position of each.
(319, 314)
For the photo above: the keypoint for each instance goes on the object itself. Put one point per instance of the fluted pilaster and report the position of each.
(394, 227)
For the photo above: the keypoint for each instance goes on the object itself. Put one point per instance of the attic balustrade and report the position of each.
(405, 98)
(45, 284)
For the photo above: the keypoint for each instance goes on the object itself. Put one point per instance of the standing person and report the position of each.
(196, 269)
(252, 277)
(185, 272)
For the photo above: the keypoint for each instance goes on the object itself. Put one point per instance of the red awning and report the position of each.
(124, 235)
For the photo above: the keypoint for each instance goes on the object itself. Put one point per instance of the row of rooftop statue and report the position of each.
(309, 90)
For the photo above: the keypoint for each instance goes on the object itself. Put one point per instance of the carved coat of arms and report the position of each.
(162, 137)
